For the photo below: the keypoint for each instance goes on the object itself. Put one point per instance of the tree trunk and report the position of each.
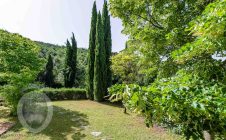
(125, 110)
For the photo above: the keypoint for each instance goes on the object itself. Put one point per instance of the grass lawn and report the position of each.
(78, 119)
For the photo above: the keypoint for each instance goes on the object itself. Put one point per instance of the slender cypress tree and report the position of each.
(67, 70)
(49, 77)
(99, 61)
(91, 53)
(73, 60)
(107, 45)
(70, 64)
(109, 53)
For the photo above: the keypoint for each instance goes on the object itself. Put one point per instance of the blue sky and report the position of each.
(53, 21)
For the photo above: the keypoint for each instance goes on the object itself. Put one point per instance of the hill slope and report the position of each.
(58, 53)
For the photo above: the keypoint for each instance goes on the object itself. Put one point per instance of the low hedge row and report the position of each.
(64, 93)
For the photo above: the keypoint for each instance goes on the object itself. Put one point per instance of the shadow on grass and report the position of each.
(116, 104)
(113, 104)
(64, 124)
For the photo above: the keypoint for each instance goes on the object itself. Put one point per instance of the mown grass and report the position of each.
(77, 119)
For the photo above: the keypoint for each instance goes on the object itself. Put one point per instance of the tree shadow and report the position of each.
(118, 104)
(64, 124)
(113, 104)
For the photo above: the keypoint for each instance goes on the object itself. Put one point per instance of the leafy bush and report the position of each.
(116, 92)
(120, 93)
(19, 65)
(64, 93)
(188, 104)
(188, 87)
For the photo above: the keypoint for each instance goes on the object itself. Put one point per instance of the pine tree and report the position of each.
(107, 45)
(49, 77)
(91, 53)
(99, 61)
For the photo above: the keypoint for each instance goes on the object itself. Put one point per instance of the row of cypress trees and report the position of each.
(99, 76)
(70, 66)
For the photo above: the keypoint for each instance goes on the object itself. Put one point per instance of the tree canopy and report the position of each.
(181, 54)
(91, 53)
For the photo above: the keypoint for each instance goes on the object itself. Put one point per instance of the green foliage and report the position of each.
(190, 106)
(58, 54)
(158, 28)
(70, 63)
(19, 66)
(99, 75)
(209, 31)
(116, 92)
(127, 68)
(64, 93)
(67, 70)
(107, 44)
(91, 53)
(99, 64)
(189, 102)
(49, 77)
(179, 44)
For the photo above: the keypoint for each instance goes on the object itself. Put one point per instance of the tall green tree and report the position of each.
(67, 64)
(100, 59)
(91, 53)
(179, 45)
(49, 77)
(73, 60)
(159, 26)
(108, 46)
(70, 63)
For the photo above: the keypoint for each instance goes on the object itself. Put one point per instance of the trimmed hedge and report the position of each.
(64, 93)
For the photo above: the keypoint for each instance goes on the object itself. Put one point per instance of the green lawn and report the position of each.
(77, 119)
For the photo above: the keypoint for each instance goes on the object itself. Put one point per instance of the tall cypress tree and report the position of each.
(91, 53)
(67, 70)
(70, 63)
(109, 53)
(107, 45)
(73, 60)
(99, 61)
(49, 77)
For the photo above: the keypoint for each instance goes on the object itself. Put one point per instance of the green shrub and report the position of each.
(116, 92)
(64, 93)
(187, 105)
(19, 65)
